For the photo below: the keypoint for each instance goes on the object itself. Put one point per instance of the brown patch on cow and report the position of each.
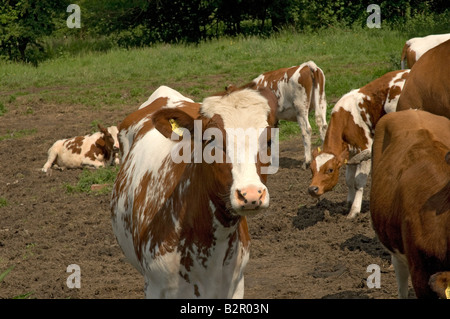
(394, 92)
(74, 144)
(196, 291)
(94, 152)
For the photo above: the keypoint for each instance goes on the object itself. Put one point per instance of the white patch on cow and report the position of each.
(390, 105)
(165, 91)
(350, 102)
(422, 45)
(322, 159)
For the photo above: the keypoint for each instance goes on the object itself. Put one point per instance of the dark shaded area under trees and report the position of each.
(138, 23)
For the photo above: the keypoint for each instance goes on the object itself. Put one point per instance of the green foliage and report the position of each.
(22, 25)
(36, 30)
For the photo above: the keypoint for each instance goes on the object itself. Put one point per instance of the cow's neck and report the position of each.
(343, 133)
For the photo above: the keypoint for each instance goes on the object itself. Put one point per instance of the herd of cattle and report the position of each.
(183, 225)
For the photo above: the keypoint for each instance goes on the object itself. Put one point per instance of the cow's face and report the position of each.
(325, 171)
(114, 133)
(235, 134)
(107, 141)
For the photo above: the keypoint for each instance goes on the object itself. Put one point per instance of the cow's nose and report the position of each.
(250, 197)
(312, 190)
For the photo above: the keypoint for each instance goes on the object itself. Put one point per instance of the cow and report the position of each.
(166, 97)
(410, 198)
(350, 135)
(415, 48)
(428, 86)
(182, 224)
(299, 89)
(93, 150)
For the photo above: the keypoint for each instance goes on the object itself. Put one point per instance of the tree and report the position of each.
(23, 23)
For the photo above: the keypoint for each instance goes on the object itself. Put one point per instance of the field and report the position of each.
(301, 248)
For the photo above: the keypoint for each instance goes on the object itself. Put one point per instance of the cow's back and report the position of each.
(428, 84)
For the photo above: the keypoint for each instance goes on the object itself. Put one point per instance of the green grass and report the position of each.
(90, 177)
(17, 134)
(3, 202)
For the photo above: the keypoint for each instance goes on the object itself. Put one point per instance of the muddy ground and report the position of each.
(301, 248)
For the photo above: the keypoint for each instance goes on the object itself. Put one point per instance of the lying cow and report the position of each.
(299, 89)
(183, 224)
(94, 150)
(410, 198)
(416, 47)
(350, 132)
(428, 85)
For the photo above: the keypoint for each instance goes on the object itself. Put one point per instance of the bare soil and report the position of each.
(301, 248)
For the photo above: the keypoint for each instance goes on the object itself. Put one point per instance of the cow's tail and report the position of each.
(319, 98)
(52, 155)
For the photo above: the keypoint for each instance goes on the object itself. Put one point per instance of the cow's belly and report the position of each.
(287, 113)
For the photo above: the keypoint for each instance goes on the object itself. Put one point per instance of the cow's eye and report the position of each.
(330, 171)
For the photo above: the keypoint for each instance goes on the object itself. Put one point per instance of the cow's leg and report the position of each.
(360, 180)
(320, 112)
(401, 274)
(305, 129)
(350, 173)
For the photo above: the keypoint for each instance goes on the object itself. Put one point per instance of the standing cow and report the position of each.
(410, 198)
(299, 89)
(183, 224)
(350, 132)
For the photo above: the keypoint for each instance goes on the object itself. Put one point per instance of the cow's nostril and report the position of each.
(312, 190)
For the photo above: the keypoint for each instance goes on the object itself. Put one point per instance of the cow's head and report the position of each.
(114, 132)
(106, 142)
(238, 180)
(325, 171)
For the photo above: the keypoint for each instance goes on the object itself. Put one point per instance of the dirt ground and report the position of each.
(301, 248)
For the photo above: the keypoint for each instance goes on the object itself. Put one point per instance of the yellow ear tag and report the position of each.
(447, 291)
(345, 161)
(176, 127)
(319, 149)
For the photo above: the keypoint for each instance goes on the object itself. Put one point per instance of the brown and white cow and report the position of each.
(410, 198)
(299, 89)
(428, 85)
(183, 224)
(416, 47)
(350, 132)
(93, 150)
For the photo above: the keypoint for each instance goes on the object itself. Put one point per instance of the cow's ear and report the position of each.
(168, 121)
(343, 157)
(102, 128)
(315, 152)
